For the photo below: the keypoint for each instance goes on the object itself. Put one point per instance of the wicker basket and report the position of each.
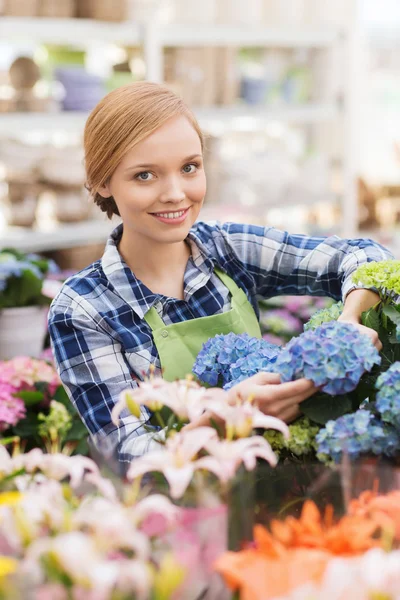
(21, 8)
(103, 10)
(63, 9)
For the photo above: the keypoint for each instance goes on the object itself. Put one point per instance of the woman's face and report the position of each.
(160, 184)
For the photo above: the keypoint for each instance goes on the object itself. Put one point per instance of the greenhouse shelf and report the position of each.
(227, 35)
(73, 32)
(61, 236)
(241, 116)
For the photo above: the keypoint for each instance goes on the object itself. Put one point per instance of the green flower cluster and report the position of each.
(332, 313)
(384, 276)
(301, 441)
(55, 426)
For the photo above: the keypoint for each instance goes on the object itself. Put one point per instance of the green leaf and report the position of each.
(8, 440)
(393, 312)
(61, 396)
(321, 407)
(370, 318)
(77, 432)
(30, 398)
(27, 427)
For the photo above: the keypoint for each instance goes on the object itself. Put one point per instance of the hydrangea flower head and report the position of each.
(12, 409)
(325, 315)
(388, 396)
(301, 441)
(358, 433)
(227, 359)
(384, 276)
(334, 356)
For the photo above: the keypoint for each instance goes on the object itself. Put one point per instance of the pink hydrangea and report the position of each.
(12, 409)
(23, 372)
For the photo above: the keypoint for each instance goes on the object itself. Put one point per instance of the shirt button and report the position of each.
(164, 333)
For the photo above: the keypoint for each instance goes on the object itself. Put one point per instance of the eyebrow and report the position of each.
(151, 165)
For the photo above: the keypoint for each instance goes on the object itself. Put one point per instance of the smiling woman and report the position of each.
(168, 282)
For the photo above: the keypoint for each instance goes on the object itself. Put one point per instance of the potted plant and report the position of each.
(23, 303)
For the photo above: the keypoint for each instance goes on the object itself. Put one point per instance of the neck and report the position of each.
(149, 259)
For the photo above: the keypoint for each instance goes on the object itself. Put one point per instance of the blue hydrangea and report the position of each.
(334, 356)
(357, 434)
(388, 396)
(10, 266)
(227, 359)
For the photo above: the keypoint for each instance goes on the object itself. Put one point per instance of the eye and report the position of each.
(190, 168)
(144, 176)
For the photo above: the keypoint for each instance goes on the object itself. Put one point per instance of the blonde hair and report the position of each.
(122, 119)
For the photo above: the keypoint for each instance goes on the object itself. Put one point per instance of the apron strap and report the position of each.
(154, 320)
(227, 281)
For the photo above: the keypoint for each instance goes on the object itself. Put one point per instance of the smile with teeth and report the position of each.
(171, 215)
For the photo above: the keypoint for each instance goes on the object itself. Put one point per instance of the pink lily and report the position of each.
(155, 504)
(183, 397)
(176, 460)
(226, 456)
(241, 418)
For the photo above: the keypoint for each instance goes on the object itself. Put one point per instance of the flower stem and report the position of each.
(160, 420)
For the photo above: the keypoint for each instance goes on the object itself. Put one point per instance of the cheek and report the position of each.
(198, 188)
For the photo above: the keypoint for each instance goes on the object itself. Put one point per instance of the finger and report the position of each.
(276, 407)
(291, 414)
(285, 390)
(265, 378)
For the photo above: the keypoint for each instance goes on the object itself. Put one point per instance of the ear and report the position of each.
(104, 191)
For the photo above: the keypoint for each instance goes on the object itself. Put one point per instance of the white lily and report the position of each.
(242, 417)
(155, 504)
(177, 460)
(226, 456)
(78, 557)
(183, 397)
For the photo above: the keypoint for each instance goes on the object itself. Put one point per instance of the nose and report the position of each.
(172, 191)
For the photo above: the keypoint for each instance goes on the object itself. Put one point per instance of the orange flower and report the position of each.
(296, 551)
(384, 510)
(351, 535)
(259, 577)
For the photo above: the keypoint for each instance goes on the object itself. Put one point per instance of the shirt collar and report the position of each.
(131, 289)
(200, 254)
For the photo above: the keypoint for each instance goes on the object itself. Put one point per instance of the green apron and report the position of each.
(179, 344)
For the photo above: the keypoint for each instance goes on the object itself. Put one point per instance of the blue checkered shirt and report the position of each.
(102, 344)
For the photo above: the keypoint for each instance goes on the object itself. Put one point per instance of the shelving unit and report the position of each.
(154, 37)
(227, 116)
(64, 235)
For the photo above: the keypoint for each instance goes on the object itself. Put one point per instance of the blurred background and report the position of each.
(300, 100)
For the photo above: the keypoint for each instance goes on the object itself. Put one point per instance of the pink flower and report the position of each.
(242, 417)
(176, 461)
(225, 456)
(51, 591)
(23, 371)
(12, 409)
(182, 397)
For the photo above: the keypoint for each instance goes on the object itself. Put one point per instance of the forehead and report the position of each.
(176, 139)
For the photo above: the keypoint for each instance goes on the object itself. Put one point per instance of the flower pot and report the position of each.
(22, 331)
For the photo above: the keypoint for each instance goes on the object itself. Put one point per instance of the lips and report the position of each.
(171, 217)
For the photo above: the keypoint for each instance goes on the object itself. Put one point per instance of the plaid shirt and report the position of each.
(102, 344)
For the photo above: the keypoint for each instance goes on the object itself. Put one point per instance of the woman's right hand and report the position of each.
(281, 400)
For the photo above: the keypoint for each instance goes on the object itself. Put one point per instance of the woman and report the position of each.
(166, 283)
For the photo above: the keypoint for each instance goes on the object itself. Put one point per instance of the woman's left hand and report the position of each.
(371, 333)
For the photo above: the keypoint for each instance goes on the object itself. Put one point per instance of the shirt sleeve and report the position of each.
(94, 372)
(282, 263)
